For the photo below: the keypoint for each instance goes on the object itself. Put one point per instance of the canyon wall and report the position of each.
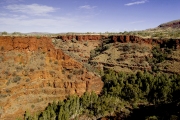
(34, 73)
(80, 37)
(123, 39)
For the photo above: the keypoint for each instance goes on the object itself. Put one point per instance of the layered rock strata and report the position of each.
(34, 73)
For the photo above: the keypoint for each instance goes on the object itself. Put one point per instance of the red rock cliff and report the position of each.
(135, 39)
(34, 73)
(80, 37)
(123, 39)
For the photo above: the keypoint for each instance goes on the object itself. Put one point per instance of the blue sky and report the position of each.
(57, 16)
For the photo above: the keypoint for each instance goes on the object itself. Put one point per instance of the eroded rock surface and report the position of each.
(119, 52)
(34, 73)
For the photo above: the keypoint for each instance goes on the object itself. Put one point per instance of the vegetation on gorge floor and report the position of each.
(123, 96)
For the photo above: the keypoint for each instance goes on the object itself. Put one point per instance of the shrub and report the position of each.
(19, 68)
(52, 73)
(69, 76)
(42, 57)
(74, 40)
(31, 70)
(27, 80)
(174, 117)
(93, 53)
(41, 64)
(4, 33)
(25, 73)
(32, 106)
(86, 44)
(126, 48)
(14, 73)
(63, 71)
(38, 37)
(16, 79)
(152, 118)
(56, 62)
(8, 82)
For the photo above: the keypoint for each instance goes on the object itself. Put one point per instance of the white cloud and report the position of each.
(41, 22)
(3, 14)
(33, 9)
(36, 17)
(53, 24)
(88, 7)
(136, 2)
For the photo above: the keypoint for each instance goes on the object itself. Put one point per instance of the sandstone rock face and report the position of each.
(128, 53)
(80, 37)
(34, 73)
(135, 39)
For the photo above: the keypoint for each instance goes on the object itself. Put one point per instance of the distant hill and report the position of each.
(38, 33)
(172, 24)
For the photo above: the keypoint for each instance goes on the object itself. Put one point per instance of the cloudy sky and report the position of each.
(57, 16)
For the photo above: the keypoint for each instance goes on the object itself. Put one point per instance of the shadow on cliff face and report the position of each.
(170, 111)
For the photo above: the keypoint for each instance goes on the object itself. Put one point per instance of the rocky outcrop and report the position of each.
(171, 24)
(35, 74)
